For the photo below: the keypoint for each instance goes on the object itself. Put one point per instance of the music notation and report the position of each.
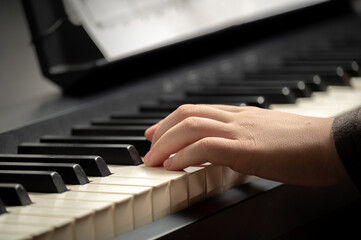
(110, 13)
(122, 28)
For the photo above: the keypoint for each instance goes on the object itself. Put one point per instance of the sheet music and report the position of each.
(122, 28)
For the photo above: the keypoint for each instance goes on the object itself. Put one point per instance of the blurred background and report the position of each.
(22, 86)
(20, 76)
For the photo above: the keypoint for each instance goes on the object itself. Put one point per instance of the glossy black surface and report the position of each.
(70, 172)
(139, 142)
(92, 165)
(120, 154)
(14, 194)
(35, 181)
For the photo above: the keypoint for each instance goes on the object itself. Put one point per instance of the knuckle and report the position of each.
(190, 123)
(184, 110)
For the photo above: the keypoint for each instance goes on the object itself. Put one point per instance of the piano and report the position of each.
(70, 164)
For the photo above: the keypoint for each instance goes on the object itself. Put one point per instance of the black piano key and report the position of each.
(315, 83)
(273, 94)
(139, 142)
(120, 122)
(289, 61)
(329, 50)
(327, 73)
(170, 107)
(87, 130)
(120, 154)
(327, 56)
(348, 45)
(351, 67)
(92, 165)
(120, 115)
(325, 79)
(35, 181)
(345, 41)
(338, 47)
(158, 107)
(71, 173)
(2, 207)
(330, 54)
(298, 87)
(327, 70)
(257, 101)
(14, 194)
(356, 67)
(315, 62)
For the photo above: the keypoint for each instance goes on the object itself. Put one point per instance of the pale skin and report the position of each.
(270, 144)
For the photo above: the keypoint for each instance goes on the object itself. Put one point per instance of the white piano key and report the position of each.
(142, 207)
(337, 100)
(178, 181)
(231, 178)
(103, 213)
(356, 82)
(214, 181)
(196, 184)
(15, 236)
(62, 228)
(160, 191)
(84, 219)
(122, 206)
(35, 232)
(221, 178)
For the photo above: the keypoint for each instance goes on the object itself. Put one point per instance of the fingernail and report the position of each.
(168, 163)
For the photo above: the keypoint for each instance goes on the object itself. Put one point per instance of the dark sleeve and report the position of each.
(346, 130)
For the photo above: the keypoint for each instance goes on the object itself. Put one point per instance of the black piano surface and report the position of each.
(31, 107)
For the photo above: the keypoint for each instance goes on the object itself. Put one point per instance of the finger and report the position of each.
(150, 132)
(183, 134)
(216, 150)
(186, 111)
(228, 108)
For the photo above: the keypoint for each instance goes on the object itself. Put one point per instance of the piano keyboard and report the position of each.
(92, 184)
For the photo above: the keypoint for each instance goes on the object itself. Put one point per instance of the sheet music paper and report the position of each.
(122, 28)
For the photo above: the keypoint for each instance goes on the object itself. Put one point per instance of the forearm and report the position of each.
(346, 131)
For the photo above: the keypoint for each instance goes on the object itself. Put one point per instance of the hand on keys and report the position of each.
(270, 144)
